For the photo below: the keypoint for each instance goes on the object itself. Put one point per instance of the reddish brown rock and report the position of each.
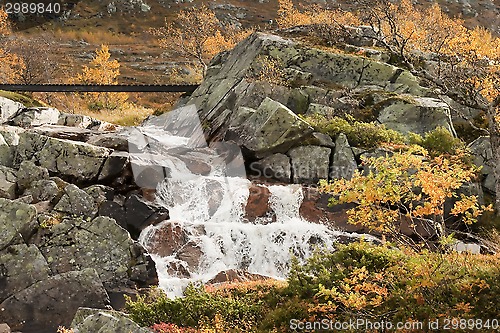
(258, 204)
(236, 275)
(168, 239)
(191, 254)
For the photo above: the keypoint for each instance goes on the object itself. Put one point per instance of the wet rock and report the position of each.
(53, 302)
(343, 162)
(104, 321)
(415, 114)
(20, 266)
(273, 128)
(8, 179)
(275, 166)
(29, 172)
(43, 190)
(101, 244)
(76, 201)
(258, 204)
(236, 275)
(115, 165)
(191, 254)
(167, 239)
(8, 108)
(18, 222)
(37, 116)
(4, 328)
(141, 213)
(310, 163)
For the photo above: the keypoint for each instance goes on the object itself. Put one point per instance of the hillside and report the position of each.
(124, 24)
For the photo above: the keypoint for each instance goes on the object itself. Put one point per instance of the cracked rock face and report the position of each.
(17, 222)
(47, 304)
(79, 243)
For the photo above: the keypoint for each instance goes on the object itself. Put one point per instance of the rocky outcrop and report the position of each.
(310, 163)
(8, 108)
(483, 157)
(104, 321)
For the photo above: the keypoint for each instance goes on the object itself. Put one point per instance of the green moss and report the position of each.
(437, 142)
(20, 98)
(359, 134)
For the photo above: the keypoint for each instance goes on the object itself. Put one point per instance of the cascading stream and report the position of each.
(207, 232)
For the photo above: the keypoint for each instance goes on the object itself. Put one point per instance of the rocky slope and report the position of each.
(76, 192)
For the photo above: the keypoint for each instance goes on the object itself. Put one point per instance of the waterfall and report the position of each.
(207, 232)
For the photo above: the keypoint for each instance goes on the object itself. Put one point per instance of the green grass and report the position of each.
(24, 99)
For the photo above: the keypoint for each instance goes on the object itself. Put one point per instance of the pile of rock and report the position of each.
(68, 207)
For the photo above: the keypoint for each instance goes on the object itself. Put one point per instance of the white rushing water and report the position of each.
(210, 211)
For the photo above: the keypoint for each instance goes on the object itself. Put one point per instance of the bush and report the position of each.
(359, 134)
(437, 142)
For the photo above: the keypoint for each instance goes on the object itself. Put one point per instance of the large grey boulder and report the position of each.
(35, 116)
(276, 166)
(415, 114)
(8, 108)
(53, 302)
(9, 138)
(21, 266)
(343, 162)
(89, 320)
(76, 160)
(72, 160)
(76, 201)
(101, 244)
(17, 222)
(310, 163)
(8, 179)
(272, 128)
(43, 190)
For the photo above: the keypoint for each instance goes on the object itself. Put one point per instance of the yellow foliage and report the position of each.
(406, 185)
(102, 70)
(11, 66)
(198, 35)
(290, 16)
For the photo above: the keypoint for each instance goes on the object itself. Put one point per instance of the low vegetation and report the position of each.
(357, 281)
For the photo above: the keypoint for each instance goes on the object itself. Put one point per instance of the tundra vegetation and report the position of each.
(404, 279)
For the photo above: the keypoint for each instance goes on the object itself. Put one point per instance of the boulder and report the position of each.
(167, 239)
(483, 157)
(116, 141)
(258, 205)
(236, 275)
(104, 321)
(76, 120)
(191, 254)
(343, 162)
(76, 201)
(415, 114)
(4, 328)
(64, 132)
(35, 116)
(21, 266)
(9, 139)
(53, 302)
(310, 163)
(274, 166)
(321, 110)
(141, 213)
(115, 165)
(17, 222)
(273, 128)
(8, 108)
(100, 193)
(8, 186)
(101, 244)
(320, 139)
(74, 160)
(29, 172)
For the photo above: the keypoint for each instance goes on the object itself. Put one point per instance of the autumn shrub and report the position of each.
(361, 280)
(438, 141)
(201, 308)
(359, 134)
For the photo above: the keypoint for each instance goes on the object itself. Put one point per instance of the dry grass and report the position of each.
(97, 37)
